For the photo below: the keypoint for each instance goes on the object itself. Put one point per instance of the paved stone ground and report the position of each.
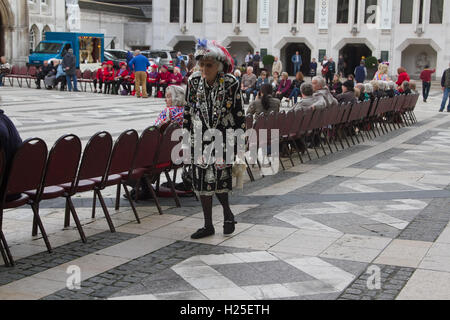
(367, 222)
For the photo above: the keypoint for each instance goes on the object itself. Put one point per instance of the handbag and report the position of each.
(325, 70)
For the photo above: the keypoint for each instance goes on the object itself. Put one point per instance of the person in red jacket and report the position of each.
(425, 76)
(152, 80)
(122, 79)
(108, 77)
(99, 78)
(402, 77)
(176, 78)
(165, 78)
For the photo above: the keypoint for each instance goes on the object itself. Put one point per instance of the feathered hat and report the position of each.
(212, 49)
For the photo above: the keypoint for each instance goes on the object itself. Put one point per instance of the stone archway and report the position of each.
(352, 54)
(6, 26)
(416, 56)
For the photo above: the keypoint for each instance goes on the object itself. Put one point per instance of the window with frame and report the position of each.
(342, 11)
(370, 13)
(436, 11)
(198, 11)
(406, 11)
(227, 11)
(252, 11)
(174, 11)
(283, 11)
(309, 11)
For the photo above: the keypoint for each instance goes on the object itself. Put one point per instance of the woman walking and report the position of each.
(214, 102)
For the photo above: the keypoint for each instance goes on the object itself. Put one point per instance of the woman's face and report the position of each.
(284, 77)
(209, 69)
(168, 99)
(263, 75)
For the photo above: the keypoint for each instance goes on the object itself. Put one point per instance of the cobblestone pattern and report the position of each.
(43, 261)
(134, 272)
(379, 158)
(429, 224)
(336, 155)
(393, 279)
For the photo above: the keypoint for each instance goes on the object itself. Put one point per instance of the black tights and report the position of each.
(207, 203)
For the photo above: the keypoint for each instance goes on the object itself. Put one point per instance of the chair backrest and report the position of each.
(307, 118)
(249, 122)
(147, 148)
(63, 161)
(365, 106)
(296, 124)
(164, 156)
(32, 71)
(96, 155)
(27, 167)
(354, 112)
(78, 74)
(123, 152)
(260, 124)
(2, 170)
(23, 71)
(15, 70)
(87, 74)
(94, 75)
(414, 100)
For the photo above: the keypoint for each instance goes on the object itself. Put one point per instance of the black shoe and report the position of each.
(142, 195)
(38, 87)
(203, 233)
(229, 227)
(441, 110)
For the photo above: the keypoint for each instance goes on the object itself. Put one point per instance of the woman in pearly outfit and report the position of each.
(214, 101)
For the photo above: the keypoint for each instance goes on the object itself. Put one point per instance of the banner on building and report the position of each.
(264, 22)
(73, 15)
(386, 15)
(323, 14)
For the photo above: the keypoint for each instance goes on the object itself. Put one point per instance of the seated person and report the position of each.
(390, 89)
(404, 88)
(174, 110)
(108, 78)
(295, 86)
(50, 78)
(122, 79)
(321, 89)
(99, 78)
(265, 103)
(176, 79)
(336, 85)
(152, 80)
(363, 96)
(10, 142)
(42, 73)
(61, 77)
(348, 93)
(165, 78)
(261, 81)
(308, 99)
(377, 93)
(5, 69)
(275, 82)
(248, 84)
(413, 87)
(284, 89)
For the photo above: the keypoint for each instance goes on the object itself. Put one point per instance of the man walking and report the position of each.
(425, 76)
(361, 73)
(140, 64)
(445, 83)
(331, 70)
(69, 64)
(297, 61)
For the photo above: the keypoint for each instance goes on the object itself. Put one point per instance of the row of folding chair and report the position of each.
(36, 175)
(352, 123)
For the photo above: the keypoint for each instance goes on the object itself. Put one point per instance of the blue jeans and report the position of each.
(444, 100)
(294, 94)
(426, 86)
(2, 75)
(297, 68)
(69, 82)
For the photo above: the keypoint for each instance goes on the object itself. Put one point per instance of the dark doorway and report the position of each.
(185, 47)
(352, 54)
(240, 49)
(289, 50)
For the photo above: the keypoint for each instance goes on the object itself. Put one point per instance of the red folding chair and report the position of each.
(120, 163)
(94, 164)
(61, 168)
(26, 173)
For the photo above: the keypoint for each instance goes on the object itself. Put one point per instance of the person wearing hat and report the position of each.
(122, 79)
(348, 93)
(139, 65)
(164, 79)
(214, 105)
(152, 80)
(99, 78)
(69, 64)
(108, 77)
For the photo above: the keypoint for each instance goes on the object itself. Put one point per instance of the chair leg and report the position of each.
(67, 215)
(155, 197)
(131, 202)
(35, 208)
(94, 203)
(77, 221)
(172, 187)
(105, 211)
(34, 231)
(9, 260)
(117, 207)
(4, 256)
(249, 171)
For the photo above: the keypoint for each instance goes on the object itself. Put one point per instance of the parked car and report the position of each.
(108, 56)
(162, 57)
(120, 54)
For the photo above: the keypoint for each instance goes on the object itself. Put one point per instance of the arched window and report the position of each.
(46, 29)
(34, 37)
